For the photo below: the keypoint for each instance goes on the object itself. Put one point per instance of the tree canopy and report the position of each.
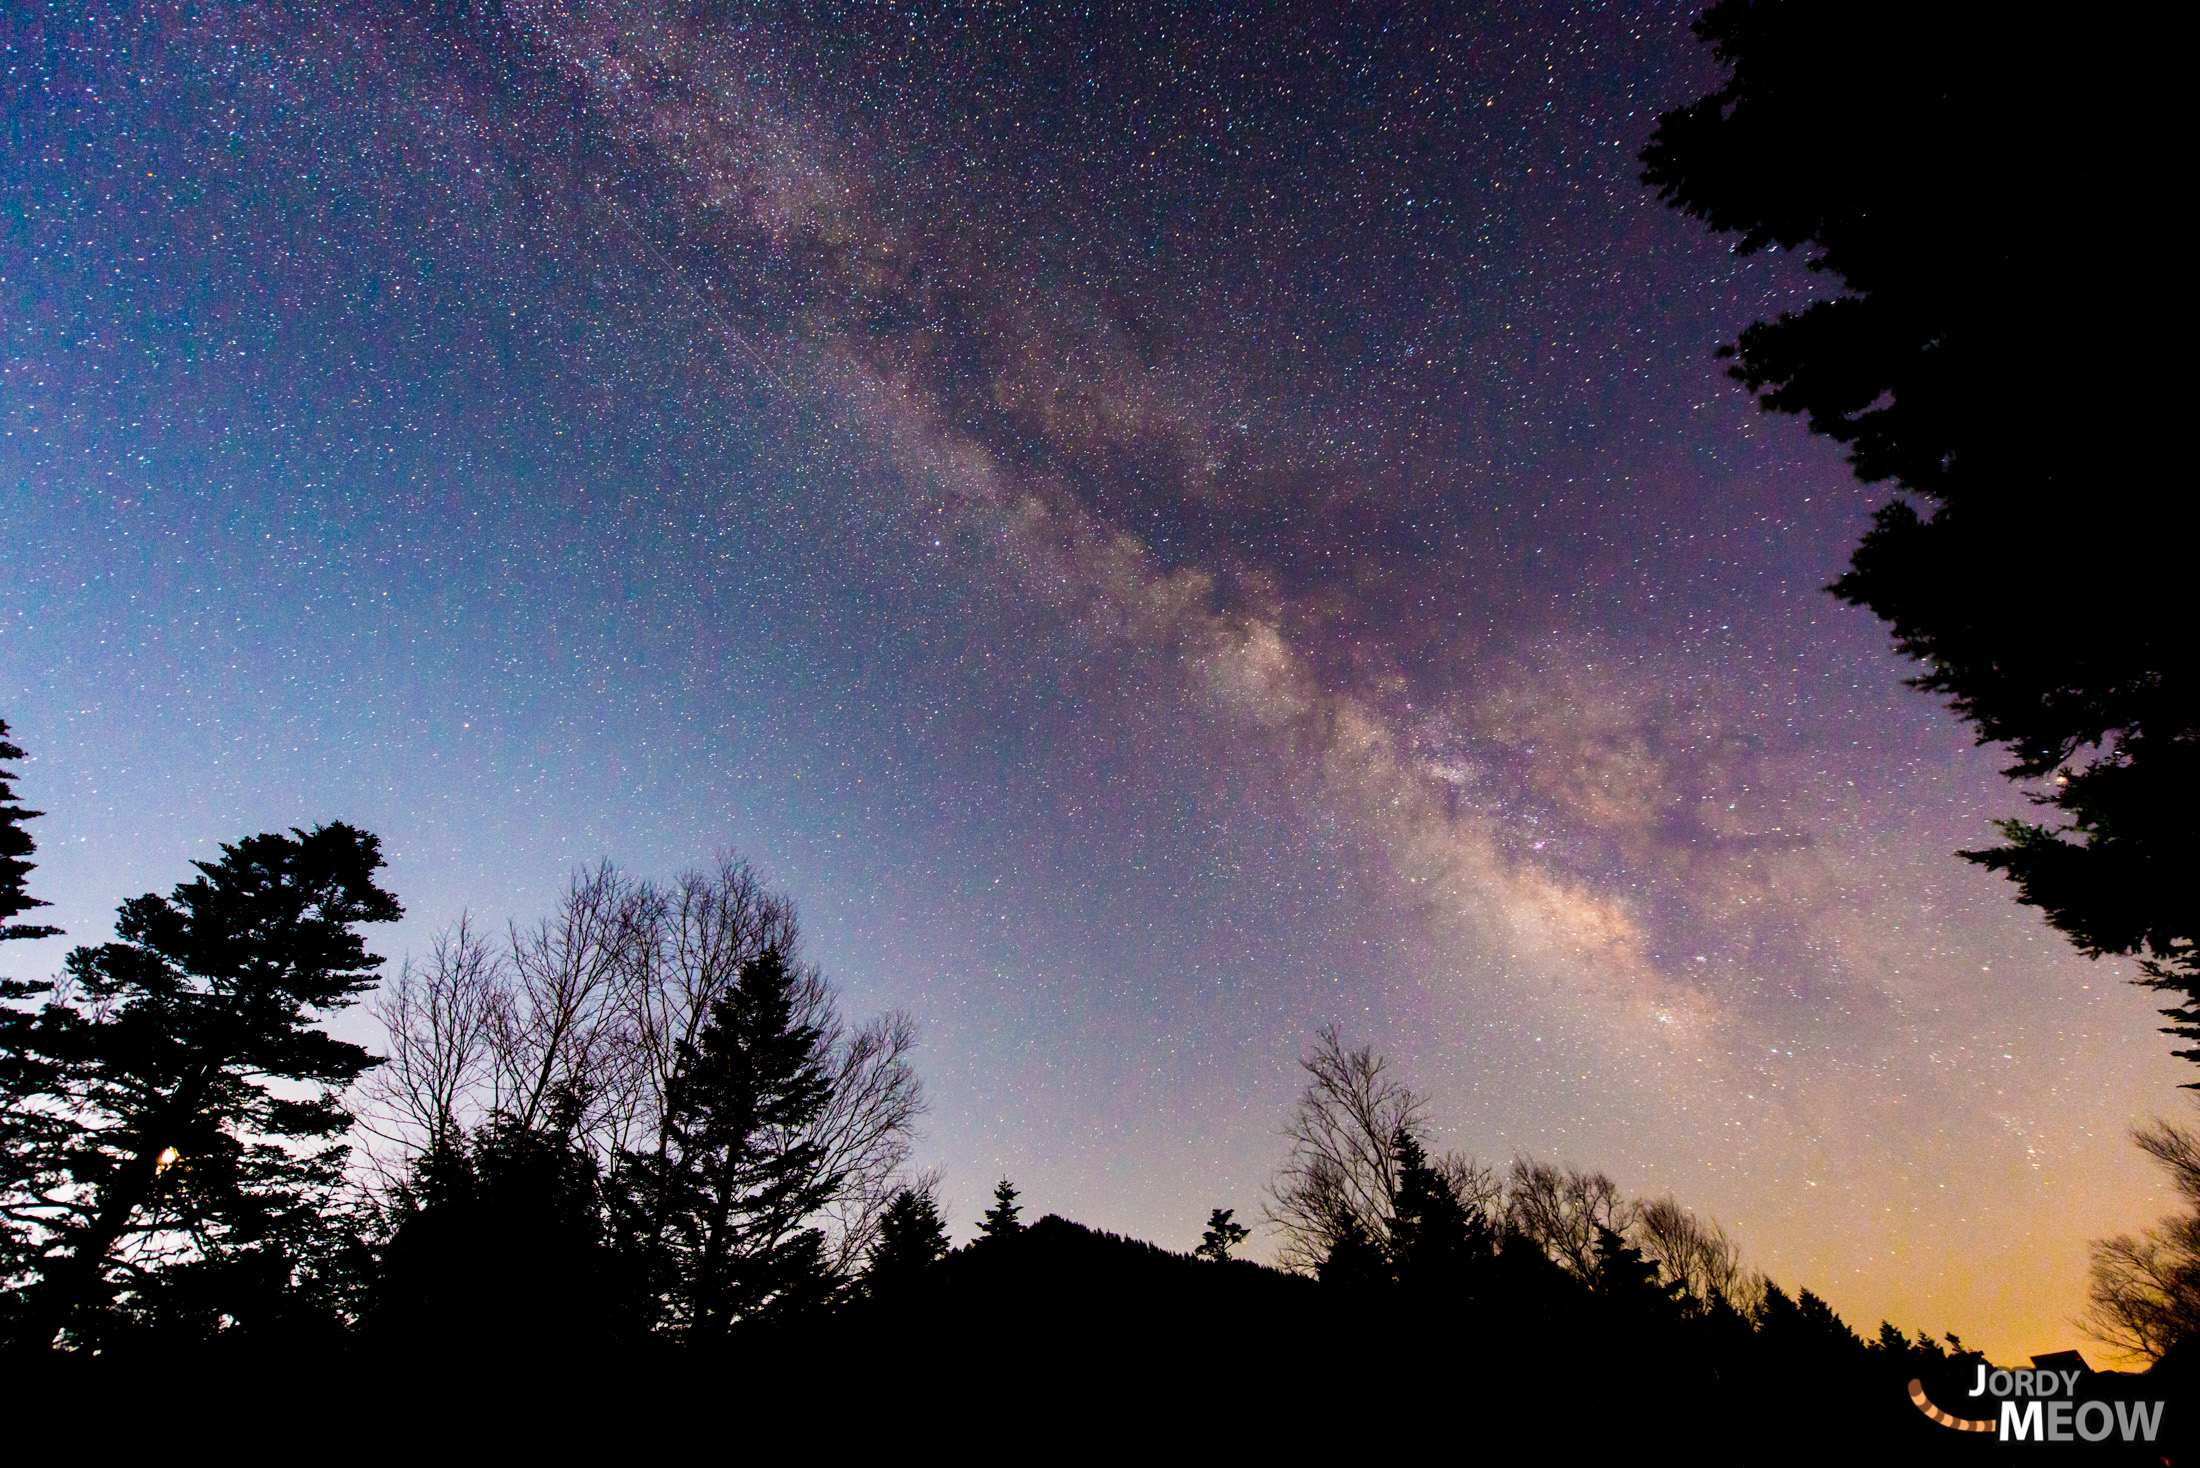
(723, 1212)
(16, 847)
(1978, 356)
(152, 1158)
(1223, 1234)
(912, 1237)
(1000, 1219)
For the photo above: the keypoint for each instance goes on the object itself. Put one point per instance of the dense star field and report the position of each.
(1160, 528)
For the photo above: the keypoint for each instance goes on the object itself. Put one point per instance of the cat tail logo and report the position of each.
(1945, 1419)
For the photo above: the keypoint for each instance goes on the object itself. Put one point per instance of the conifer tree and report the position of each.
(1628, 1279)
(497, 1239)
(153, 1175)
(1433, 1236)
(1222, 1236)
(911, 1239)
(1000, 1220)
(16, 847)
(22, 1131)
(719, 1222)
(1355, 1260)
(1834, 135)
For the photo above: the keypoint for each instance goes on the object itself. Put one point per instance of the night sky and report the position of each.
(1160, 528)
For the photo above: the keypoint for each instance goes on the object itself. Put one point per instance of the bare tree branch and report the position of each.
(436, 1016)
(1341, 1173)
(2176, 1148)
(597, 1007)
(1689, 1251)
(1474, 1185)
(1560, 1210)
(2144, 1296)
(708, 926)
(866, 1131)
(561, 1034)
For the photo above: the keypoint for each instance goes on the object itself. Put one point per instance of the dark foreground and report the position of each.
(1061, 1340)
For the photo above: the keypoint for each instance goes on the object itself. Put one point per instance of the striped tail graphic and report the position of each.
(1925, 1405)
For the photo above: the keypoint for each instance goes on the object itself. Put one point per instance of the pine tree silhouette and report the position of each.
(161, 1174)
(719, 1225)
(1834, 135)
(911, 1239)
(1000, 1219)
(1627, 1279)
(1433, 1237)
(1222, 1236)
(16, 847)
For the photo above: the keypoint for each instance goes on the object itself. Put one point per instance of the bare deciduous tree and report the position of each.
(866, 1129)
(1340, 1175)
(436, 1018)
(1475, 1186)
(2144, 1296)
(1342, 1181)
(1560, 1210)
(1689, 1251)
(565, 1027)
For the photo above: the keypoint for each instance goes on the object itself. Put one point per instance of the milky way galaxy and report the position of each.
(1162, 528)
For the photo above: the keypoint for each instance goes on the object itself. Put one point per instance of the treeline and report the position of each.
(642, 1119)
(653, 1075)
(641, 1133)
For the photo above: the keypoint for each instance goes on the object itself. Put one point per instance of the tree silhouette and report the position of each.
(1434, 1239)
(1803, 1327)
(154, 1172)
(603, 1004)
(2144, 1295)
(911, 1239)
(1356, 1260)
(720, 1219)
(1339, 1187)
(1690, 1252)
(1222, 1236)
(1628, 1280)
(2030, 564)
(22, 1129)
(1000, 1219)
(498, 1242)
(16, 847)
(1561, 1210)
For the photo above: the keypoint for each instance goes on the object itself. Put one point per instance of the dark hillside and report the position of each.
(1059, 1291)
(1073, 1325)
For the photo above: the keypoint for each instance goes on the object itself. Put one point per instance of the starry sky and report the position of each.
(1160, 526)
